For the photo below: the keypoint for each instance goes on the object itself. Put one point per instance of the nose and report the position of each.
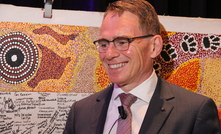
(112, 52)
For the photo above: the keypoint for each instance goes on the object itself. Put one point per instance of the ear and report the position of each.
(157, 46)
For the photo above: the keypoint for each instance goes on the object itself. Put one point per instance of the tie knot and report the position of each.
(127, 99)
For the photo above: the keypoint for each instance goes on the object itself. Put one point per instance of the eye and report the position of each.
(121, 41)
(103, 44)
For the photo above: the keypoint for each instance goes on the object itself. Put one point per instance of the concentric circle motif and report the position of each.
(18, 58)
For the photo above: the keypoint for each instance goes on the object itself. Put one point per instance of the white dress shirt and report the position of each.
(144, 92)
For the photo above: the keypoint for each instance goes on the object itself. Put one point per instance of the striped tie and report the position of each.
(124, 125)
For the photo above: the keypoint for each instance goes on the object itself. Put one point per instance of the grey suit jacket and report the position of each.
(172, 110)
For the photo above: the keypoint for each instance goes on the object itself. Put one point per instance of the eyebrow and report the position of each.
(123, 36)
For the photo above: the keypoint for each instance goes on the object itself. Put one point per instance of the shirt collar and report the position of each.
(144, 91)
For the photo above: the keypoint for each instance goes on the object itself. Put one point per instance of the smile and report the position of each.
(117, 65)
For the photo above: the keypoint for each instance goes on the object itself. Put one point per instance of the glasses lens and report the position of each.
(121, 43)
(102, 45)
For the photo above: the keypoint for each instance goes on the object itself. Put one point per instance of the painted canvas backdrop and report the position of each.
(48, 64)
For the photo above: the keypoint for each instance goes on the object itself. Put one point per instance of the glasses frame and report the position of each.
(129, 41)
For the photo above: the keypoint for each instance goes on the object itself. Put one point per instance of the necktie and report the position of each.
(124, 125)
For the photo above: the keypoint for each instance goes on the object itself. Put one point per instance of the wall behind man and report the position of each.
(186, 8)
(69, 69)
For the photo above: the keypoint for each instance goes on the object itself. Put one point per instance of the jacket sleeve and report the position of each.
(69, 127)
(207, 121)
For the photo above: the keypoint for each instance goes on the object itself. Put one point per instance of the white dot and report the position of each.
(14, 58)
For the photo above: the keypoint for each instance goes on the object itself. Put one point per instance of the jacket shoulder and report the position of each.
(94, 97)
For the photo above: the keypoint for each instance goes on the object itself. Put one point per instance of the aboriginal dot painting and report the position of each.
(63, 58)
(19, 58)
(49, 58)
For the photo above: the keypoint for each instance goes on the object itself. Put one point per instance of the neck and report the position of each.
(128, 87)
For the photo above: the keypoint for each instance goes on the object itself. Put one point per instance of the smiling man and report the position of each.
(138, 101)
(128, 61)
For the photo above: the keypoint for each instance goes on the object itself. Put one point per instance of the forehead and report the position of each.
(115, 25)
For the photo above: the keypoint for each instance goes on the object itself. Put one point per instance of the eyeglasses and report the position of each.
(120, 43)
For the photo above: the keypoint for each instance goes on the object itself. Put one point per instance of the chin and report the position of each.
(117, 81)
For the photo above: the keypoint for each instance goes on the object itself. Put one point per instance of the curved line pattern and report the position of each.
(18, 58)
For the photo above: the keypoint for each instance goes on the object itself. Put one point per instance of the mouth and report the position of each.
(115, 66)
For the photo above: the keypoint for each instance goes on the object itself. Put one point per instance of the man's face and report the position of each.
(131, 67)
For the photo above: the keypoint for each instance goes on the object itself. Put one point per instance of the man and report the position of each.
(128, 43)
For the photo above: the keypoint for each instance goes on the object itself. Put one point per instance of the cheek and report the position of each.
(129, 54)
(133, 50)
(136, 52)
(139, 56)
(101, 56)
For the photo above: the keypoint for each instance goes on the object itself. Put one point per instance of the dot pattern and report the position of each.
(18, 58)
(190, 60)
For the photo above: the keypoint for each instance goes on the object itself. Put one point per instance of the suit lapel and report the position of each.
(159, 109)
(99, 110)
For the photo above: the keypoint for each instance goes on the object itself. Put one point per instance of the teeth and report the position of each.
(117, 65)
